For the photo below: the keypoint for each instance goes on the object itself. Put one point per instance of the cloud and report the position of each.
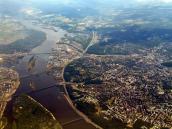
(154, 1)
(135, 22)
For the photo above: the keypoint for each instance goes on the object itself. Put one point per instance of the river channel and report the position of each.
(42, 86)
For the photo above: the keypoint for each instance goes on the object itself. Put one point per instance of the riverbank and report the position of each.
(62, 56)
(47, 91)
(9, 82)
(28, 113)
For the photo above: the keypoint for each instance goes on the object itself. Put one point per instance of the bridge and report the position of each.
(72, 121)
(34, 54)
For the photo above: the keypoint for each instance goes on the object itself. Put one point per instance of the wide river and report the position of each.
(42, 86)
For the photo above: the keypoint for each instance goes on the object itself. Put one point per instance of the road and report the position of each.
(93, 41)
(46, 90)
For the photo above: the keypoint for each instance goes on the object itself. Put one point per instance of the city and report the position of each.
(90, 64)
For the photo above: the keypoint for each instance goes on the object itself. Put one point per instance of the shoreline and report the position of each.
(85, 117)
(67, 97)
(41, 49)
(12, 79)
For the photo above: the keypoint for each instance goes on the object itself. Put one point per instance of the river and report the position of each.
(42, 86)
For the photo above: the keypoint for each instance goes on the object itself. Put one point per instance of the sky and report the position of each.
(77, 3)
(126, 1)
(154, 1)
(137, 1)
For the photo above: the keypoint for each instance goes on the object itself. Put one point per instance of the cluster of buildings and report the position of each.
(132, 86)
(61, 56)
(132, 89)
(9, 82)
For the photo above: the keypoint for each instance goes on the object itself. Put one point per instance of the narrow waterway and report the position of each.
(43, 87)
